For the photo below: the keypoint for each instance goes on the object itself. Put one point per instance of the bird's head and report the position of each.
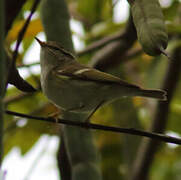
(54, 49)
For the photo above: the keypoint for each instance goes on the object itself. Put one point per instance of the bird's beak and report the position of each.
(40, 42)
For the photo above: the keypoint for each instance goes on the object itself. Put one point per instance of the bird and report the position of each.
(74, 87)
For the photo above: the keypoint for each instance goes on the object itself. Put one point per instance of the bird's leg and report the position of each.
(55, 114)
(94, 110)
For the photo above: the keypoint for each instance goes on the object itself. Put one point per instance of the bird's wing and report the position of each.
(81, 72)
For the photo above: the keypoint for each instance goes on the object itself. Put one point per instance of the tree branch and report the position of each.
(28, 65)
(110, 55)
(100, 43)
(23, 30)
(12, 66)
(131, 131)
(18, 97)
(12, 8)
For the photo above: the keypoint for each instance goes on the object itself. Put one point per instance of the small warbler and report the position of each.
(78, 88)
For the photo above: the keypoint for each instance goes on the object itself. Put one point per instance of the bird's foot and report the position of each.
(55, 115)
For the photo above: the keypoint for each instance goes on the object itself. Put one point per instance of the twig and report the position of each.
(15, 98)
(110, 55)
(130, 54)
(131, 131)
(28, 65)
(13, 125)
(18, 97)
(12, 8)
(20, 37)
(100, 43)
(23, 30)
(15, 79)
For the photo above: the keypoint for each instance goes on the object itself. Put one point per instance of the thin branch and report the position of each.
(21, 35)
(15, 79)
(12, 8)
(15, 98)
(132, 53)
(28, 65)
(18, 97)
(23, 30)
(132, 131)
(129, 54)
(100, 43)
(111, 54)
(124, 41)
(13, 125)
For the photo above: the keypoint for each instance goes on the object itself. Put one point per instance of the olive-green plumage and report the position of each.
(150, 26)
(75, 87)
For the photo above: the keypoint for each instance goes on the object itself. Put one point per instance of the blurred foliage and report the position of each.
(118, 151)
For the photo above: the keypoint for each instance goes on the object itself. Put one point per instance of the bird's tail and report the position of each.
(158, 94)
